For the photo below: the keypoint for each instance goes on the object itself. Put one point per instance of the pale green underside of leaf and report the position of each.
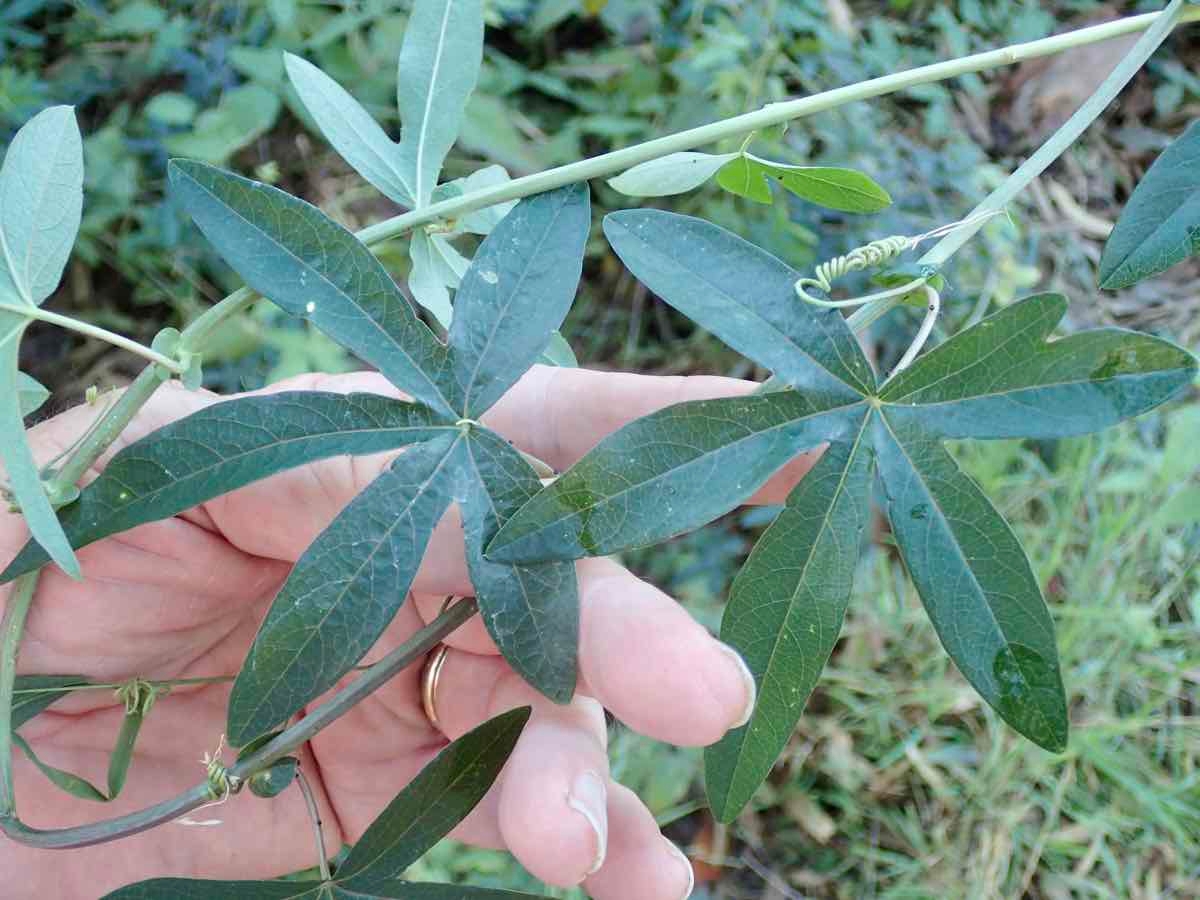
(976, 583)
(344, 591)
(531, 611)
(785, 612)
(20, 468)
(41, 201)
(674, 173)
(744, 296)
(670, 472)
(480, 221)
(30, 394)
(558, 353)
(426, 281)
(226, 446)
(434, 802)
(350, 129)
(517, 293)
(297, 257)
(439, 65)
(1002, 379)
(1160, 225)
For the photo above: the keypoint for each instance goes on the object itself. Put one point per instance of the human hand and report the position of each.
(184, 597)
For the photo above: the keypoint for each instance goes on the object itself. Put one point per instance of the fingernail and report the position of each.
(589, 797)
(687, 865)
(747, 681)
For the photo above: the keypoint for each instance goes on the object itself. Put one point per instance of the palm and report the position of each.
(183, 598)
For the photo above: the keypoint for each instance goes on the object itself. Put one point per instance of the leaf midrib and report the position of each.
(422, 197)
(608, 498)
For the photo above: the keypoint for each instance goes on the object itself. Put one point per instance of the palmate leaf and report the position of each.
(999, 379)
(312, 267)
(440, 797)
(1160, 225)
(785, 613)
(41, 202)
(344, 590)
(226, 446)
(512, 299)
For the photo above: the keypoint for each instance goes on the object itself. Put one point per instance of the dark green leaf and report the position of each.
(744, 296)
(976, 583)
(516, 293)
(199, 889)
(122, 754)
(226, 446)
(742, 177)
(1160, 226)
(1002, 378)
(296, 256)
(531, 611)
(30, 394)
(843, 189)
(669, 472)
(63, 780)
(785, 612)
(45, 691)
(344, 590)
(433, 803)
(274, 780)
(407, 890)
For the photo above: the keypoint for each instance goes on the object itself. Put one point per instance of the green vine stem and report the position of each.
(411, 651)
(94, 331)
(12, 626)
(1054, 147)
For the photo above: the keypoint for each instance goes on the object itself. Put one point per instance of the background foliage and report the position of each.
(897, 782)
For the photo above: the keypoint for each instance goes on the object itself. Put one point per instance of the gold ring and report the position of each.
(429, 677)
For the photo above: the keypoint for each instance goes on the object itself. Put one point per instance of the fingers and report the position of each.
(641, 863)
(640, 654)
